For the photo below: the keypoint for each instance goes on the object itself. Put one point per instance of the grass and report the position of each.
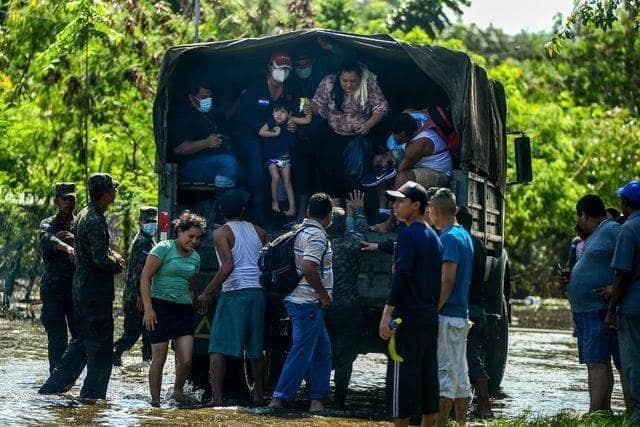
(568, 420)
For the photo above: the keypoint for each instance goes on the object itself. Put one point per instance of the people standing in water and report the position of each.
(167, 290)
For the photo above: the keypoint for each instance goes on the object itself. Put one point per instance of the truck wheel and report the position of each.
(498, 341)
(496, 359)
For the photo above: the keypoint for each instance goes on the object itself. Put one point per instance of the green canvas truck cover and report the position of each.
(477, 103)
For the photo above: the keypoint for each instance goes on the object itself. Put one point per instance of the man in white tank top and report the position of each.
(427, 159)
(238, 323)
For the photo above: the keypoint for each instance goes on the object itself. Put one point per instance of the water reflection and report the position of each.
(542, 377)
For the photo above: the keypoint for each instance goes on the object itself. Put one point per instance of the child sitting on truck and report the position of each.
(278, 140)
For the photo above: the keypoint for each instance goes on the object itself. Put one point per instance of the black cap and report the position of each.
(148, 214)
(64, 189)
(101, 182)
(410, 190)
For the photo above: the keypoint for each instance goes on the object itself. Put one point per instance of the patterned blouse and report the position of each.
(353, 114)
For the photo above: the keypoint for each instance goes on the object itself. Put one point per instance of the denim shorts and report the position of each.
(597, 343)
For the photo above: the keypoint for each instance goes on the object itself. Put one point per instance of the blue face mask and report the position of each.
(303, 72)
(205, 105)
(150, 228)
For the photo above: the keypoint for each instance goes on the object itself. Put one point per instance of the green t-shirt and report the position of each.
(171, 281)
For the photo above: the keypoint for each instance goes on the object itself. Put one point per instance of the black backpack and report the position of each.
(277, 263)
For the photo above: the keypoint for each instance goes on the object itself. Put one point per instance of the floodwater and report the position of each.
(542, 378)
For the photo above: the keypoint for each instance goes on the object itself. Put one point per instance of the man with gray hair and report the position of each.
(457, 265)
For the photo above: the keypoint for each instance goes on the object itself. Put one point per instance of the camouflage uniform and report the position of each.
(93, 294)
(133, 327)
(345, 318)
(57, 280)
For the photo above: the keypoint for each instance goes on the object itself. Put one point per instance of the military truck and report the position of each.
(407, 74)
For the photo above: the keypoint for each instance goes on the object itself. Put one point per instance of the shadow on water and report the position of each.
(542, 377)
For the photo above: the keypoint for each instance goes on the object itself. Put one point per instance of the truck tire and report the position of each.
(498, 341)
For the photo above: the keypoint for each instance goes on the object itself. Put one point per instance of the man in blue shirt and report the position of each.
(413, 298)
(597, 344)
(252, 112)
(457, 266)
(625, 296)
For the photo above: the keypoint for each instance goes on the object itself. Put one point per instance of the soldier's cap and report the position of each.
(631, 191)
(410, 190)
(148, 214)
(64, 189)
(100, 182)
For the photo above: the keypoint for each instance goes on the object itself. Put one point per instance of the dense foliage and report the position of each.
(77, 80)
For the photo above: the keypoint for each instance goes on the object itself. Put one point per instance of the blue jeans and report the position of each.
(310, 354)
(250, 152)
(218, 169)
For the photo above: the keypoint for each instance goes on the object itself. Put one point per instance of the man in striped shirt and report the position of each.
(310, 354)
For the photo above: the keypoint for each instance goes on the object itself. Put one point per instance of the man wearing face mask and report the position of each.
(201, 148)
(131, 300)
(253, 110)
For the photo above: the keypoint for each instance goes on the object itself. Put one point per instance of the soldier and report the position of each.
(344, 317)
(131, 300)
(93, 294)
(56, 244)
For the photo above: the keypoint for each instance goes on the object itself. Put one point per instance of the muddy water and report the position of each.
(542, 377)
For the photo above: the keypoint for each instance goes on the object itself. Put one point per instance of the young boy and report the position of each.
(278, 141)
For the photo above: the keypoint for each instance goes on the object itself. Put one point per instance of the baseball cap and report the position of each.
(148, 214)
(101, 182)
(631, 191)
(410, 190)
(64, 189)
(280, 60)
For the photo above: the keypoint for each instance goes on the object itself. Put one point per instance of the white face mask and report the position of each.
(280, 74)
(150, 228)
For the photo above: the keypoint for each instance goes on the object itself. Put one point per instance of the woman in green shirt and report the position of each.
(166, 287)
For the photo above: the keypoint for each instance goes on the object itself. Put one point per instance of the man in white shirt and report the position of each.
(310, 354)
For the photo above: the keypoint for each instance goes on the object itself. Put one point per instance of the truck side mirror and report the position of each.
(524, 168)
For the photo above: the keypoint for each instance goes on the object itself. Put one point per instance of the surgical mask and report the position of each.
(150, 228)
(205, 105)
(280, 74)
(303, 72)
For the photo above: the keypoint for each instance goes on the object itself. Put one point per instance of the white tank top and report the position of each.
(441, 159)
(245, 251)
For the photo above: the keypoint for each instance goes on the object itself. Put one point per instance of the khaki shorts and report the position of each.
(453, 371)
(430, 178)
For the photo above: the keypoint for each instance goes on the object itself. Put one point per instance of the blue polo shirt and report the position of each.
(592, 270)
(458, 248)
(627, 259)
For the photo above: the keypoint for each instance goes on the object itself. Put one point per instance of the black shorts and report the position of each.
(174, 320)
(413, 383)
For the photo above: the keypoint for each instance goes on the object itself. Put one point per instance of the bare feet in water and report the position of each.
(291, 212)
(275, 206)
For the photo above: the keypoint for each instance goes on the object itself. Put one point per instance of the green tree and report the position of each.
(336, 15)
(430, 15)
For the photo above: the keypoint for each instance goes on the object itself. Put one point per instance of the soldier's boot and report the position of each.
(68, 369)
